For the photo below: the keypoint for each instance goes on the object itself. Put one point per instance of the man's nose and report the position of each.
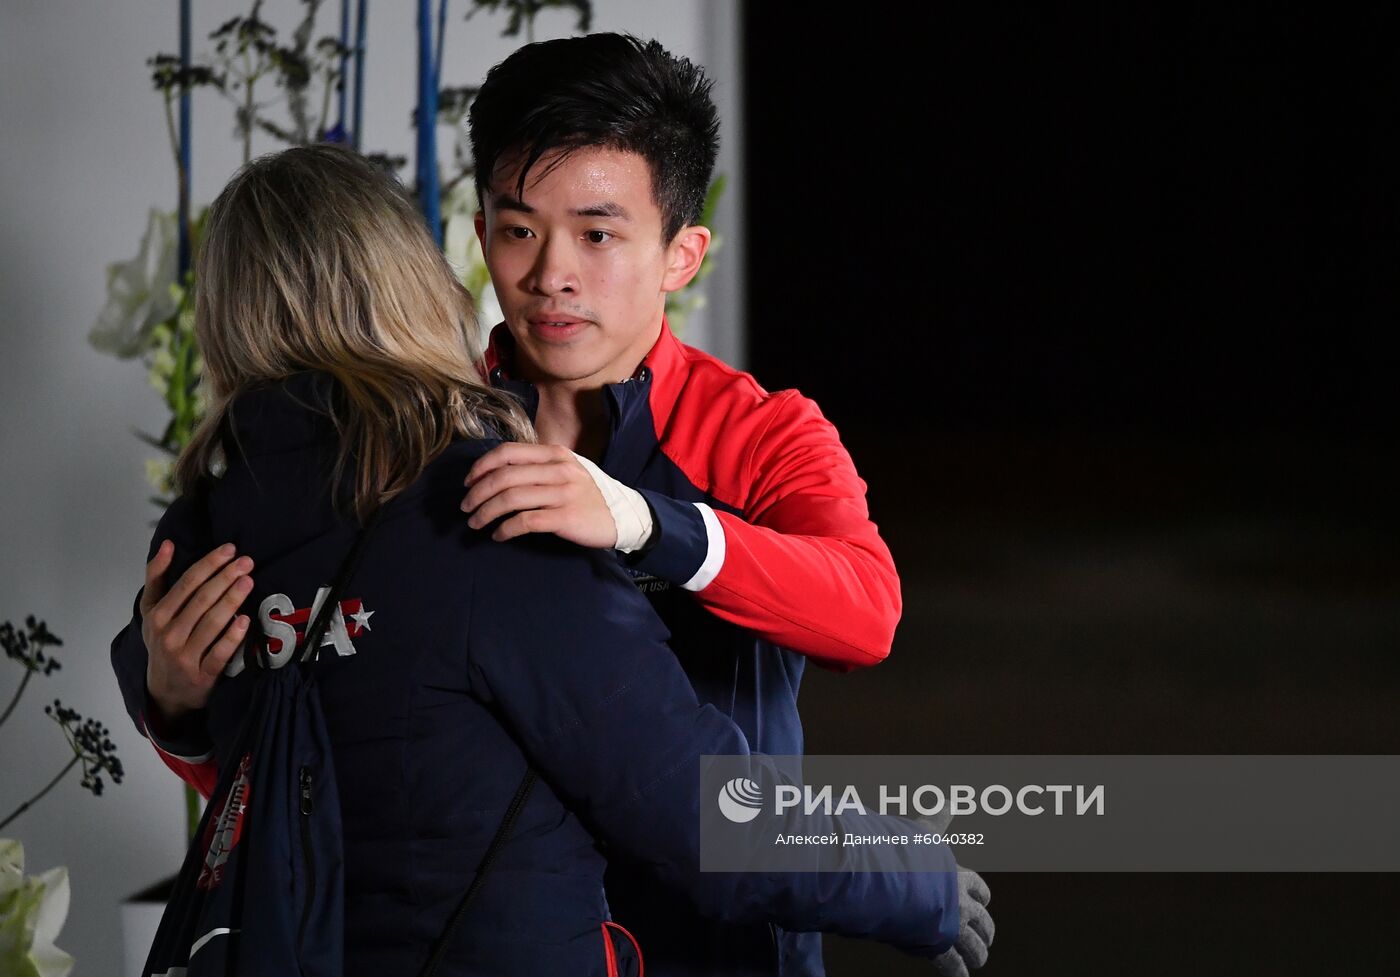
(555, 270)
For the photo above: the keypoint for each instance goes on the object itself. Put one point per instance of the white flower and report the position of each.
(139, 291)
(32, 911)
(159, 472)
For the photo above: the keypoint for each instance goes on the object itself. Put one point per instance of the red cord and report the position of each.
(612, 954)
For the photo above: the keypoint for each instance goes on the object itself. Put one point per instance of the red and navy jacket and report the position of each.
(763, 555)
(451, 664)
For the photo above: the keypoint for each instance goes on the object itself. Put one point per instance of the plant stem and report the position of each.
(174, 139)
(39, 796)
(451, 184)
(191, 811)
(182, 178)
(326, 105)
(28, 673)
(248, 79)
(177, 392)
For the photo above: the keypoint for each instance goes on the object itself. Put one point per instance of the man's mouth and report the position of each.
(555, 327)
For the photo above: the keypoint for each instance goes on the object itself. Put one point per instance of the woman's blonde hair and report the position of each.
(314, 259)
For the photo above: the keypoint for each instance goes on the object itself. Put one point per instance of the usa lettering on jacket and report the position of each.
(283, 628)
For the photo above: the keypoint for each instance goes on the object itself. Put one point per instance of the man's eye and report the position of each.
(519, 233)
(599, 237)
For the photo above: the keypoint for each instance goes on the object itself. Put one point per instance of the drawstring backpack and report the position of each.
(262, 888)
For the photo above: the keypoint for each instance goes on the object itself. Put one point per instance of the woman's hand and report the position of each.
(192, 630)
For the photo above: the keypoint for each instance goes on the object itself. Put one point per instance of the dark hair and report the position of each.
(608, 90)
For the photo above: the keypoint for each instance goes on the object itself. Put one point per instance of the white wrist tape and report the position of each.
(630, 512)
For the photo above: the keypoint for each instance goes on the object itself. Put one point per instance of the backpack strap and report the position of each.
(314, 635)
(317, 630)
(517, 803)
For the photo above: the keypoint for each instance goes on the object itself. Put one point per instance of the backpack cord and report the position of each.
(517, 803)
(318, 627)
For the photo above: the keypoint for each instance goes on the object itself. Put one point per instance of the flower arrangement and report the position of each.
(87, 738)
(33, 908)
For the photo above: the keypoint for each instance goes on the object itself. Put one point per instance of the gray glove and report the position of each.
(975, 926)
(975, 931)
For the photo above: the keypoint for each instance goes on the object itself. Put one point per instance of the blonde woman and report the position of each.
(340, 358)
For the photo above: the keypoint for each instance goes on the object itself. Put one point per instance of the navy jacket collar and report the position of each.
(284, 414)
(636, 406)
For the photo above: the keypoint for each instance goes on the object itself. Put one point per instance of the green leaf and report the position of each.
(707, 212)
(154, 442)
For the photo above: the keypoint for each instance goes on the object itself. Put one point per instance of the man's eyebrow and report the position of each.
(605, 209)
(506, 201)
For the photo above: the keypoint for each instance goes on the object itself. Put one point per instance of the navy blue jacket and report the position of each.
(763, 556)
(458, 661)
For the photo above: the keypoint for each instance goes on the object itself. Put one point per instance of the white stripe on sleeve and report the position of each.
(714, 553)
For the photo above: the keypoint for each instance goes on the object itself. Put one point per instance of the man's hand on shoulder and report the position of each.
(546, 488)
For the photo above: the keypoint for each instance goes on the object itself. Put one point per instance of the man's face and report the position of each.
(579, 266)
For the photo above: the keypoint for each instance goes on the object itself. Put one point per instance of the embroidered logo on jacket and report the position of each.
(223, 833)
(646, 582)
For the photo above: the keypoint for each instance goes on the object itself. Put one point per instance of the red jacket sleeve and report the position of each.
(808, 568)
(803, 565)
(200, 771)
(188, 750)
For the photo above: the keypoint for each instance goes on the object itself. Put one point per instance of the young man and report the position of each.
(738, 512)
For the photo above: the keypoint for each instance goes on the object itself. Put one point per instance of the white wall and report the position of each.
(83, 156)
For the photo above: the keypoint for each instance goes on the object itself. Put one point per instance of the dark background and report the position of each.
(1102, 302)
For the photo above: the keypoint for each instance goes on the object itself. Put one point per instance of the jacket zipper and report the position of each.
(308, 856)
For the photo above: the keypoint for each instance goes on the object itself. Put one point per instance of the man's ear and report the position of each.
(683, 257)
(480, 223)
